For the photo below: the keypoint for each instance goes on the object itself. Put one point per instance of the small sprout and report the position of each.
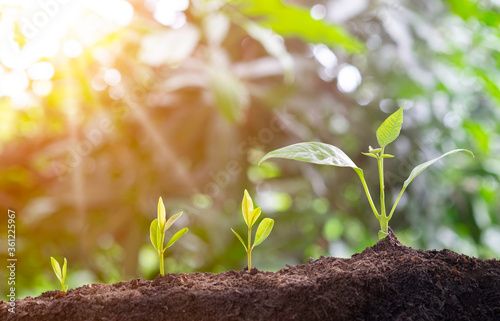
(250, 215)
(157, 232)
(61, 274)
(325, 154)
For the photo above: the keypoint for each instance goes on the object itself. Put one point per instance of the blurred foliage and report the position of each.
(181, 102)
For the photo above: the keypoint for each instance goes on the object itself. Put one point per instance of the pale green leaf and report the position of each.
(172, 220)
(57, 268)
(64, 269)
(265, 227)
(162, 214)
(241, 240)
(313, 152)
(390, 128)
(254, 215)
(155, 235)
(246, 207)
(370, 155)
(420, 168)
(176, 237)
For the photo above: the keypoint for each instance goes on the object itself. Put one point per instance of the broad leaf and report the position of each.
(162, 215)
(241, 240)
(57, 268)
(254, 215)
(390, 128)
(420, 168)
(313, 152)
(155, 235)
(176, 237)
(265, 227)
(172, 220)
(246, 207)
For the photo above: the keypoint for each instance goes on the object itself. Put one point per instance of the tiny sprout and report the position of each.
(157, 232)
(325, 154)
(250, 215)
(61, 274)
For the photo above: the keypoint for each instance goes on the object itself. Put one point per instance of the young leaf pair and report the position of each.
(61, 274)
(325, 154)
(157, 232)
(250, 215)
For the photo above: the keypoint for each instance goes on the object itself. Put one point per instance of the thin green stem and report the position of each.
(396, 202)
(367, 192)
(249, 248)
(380, 161)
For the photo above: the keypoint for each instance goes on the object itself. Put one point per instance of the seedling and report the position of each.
(325, 154)
(157, 232)
(250, 215)
(61, 274)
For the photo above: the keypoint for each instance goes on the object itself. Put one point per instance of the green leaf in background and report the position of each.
(172, 220)
(390, 128)
(230, 94)
(420, 168)
(290, 20)
(275, 47)
(154, 234)
(265, 227)
(176, 237)
(241, 240)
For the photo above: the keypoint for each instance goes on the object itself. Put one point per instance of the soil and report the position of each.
(387, 281)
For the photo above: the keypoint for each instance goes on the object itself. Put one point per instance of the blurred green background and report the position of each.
(107, 105)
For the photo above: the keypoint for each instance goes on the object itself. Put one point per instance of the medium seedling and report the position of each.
(157, 232)
(61, 274)
(325, 154)
(250, 215)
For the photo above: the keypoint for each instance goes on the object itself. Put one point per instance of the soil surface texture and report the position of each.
(387, 281)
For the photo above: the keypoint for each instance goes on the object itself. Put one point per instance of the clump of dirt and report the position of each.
(387, 281)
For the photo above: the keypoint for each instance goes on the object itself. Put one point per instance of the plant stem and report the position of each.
(162, 271)
(249, 248)
(396, 203)
(383, 219)
(367, 192)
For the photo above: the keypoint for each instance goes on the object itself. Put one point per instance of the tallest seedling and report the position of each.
(325, 154)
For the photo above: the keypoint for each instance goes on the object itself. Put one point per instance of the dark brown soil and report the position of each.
(388, 281)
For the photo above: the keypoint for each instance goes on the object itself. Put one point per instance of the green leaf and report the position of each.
(155, 235)
(162, 215)
(290, 20)
(57, 268)
(176, 237)
(370, 155)
(313, 152)
(230, 94)
(254, 215)
(172, 220)
(390, 128)
(420, 168)
(241, 240)
(265, 227)
(246, 207)
(387, 156)
(64, 269)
